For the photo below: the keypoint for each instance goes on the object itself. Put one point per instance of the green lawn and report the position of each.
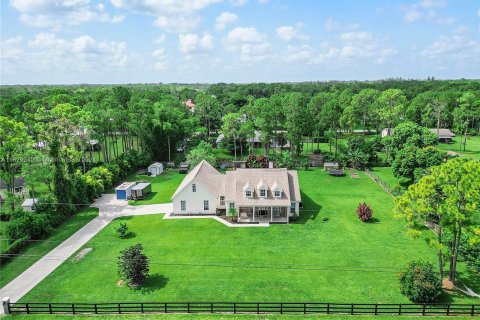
(385, 174)
(338, 260)
(216, 317)
(163, 186)
(37, 249)
(472, 147)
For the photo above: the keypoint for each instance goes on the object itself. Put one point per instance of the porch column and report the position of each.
(271, 214)
(253, 214)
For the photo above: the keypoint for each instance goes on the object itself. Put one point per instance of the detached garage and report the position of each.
(155, 169)
(124, 191)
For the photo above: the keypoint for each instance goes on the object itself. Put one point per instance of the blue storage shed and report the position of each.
(123, 191)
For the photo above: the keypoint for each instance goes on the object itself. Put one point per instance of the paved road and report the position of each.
(109, 209)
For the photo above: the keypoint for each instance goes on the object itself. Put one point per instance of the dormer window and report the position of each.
(194, 187)
(262, 189)
(277, 190)
(248, 190)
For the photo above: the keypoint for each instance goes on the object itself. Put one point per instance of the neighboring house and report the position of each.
(444, 135)
(256, 140)
(155, 169)
(258, 195)
(18, 185)
(29, 204)
(189, 104)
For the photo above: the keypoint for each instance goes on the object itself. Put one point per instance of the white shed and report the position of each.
(155, 169)
(29, 204)
(124, 191)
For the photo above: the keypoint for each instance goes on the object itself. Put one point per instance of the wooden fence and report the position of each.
(244, 308)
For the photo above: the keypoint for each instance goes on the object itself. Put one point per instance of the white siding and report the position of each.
(194, 200)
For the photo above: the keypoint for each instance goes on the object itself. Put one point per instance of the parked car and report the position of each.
(183, 168)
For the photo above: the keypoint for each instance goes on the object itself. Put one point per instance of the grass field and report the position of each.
(37, 249)
(314, 259)
(385, 174)
(163, 186)
(472, 147)
(216, 317)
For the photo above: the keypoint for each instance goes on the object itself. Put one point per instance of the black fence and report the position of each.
(245, 308)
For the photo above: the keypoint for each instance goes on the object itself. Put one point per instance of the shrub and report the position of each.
(257, 162)
(121, 229)
(232, 213)
(29, 225)
(420, 282)
(364, 212)
(133, 264)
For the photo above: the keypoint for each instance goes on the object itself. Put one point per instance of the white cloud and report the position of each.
(454, 49)
(192, 43)
(332, 25)
(303, 54)
(160, 59)
(48, 53)
(160, 39)
(424, 10)
(289, 33)
(56, 14)
(356, 46)
(176, 16)
(251, 44)
(238, 3)
(223, 19)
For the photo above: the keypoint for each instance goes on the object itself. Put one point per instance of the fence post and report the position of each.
(188, 307)
(119, 308)
(50, 308)
(328, 308)
(352, 309)
(95, 307)
(376, 308)
(6, 305)
(234, 307)
(423, 310)
(281, 308)
(141, 307)
(211, 307)
(73, 308)
(28, 308)
(258, 308)
(400, 309)
(448, 309)
(304, 308)
(165, 306)
(473, 310)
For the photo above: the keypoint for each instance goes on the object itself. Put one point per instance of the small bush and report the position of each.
(121, 230)
(325, 219)
(133, 265)
(420, 282)
(364, 212)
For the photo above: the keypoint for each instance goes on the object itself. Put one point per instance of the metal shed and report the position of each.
(155, 169)
(123, 191)
(141, 190)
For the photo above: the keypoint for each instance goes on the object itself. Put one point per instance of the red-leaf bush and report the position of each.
(364, 212)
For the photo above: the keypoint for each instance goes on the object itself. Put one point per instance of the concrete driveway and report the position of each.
(109, 209)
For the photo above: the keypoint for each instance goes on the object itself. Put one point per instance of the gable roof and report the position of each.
(204, 173)
(443, 133)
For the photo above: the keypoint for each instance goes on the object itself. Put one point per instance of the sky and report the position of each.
(208, 41)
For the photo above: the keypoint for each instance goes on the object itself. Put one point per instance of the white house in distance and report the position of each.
(155, 169)
(258, 195)
(444, 135)
(29, 204)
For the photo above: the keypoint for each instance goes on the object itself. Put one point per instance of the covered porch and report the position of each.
(263, 214)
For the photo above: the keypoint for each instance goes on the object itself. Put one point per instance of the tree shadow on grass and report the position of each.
(130, 235)
(373, 220)
(309, 211)
(153, 283)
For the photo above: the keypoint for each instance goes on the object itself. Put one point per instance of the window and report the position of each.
(248, 193)
(194, 187)
(222, 200)
(205, 205)
(277, 193)
(263, 193)
(232, 205)
(183, 205)
(292, 207)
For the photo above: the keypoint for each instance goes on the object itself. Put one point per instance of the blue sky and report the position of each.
(140, 41)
